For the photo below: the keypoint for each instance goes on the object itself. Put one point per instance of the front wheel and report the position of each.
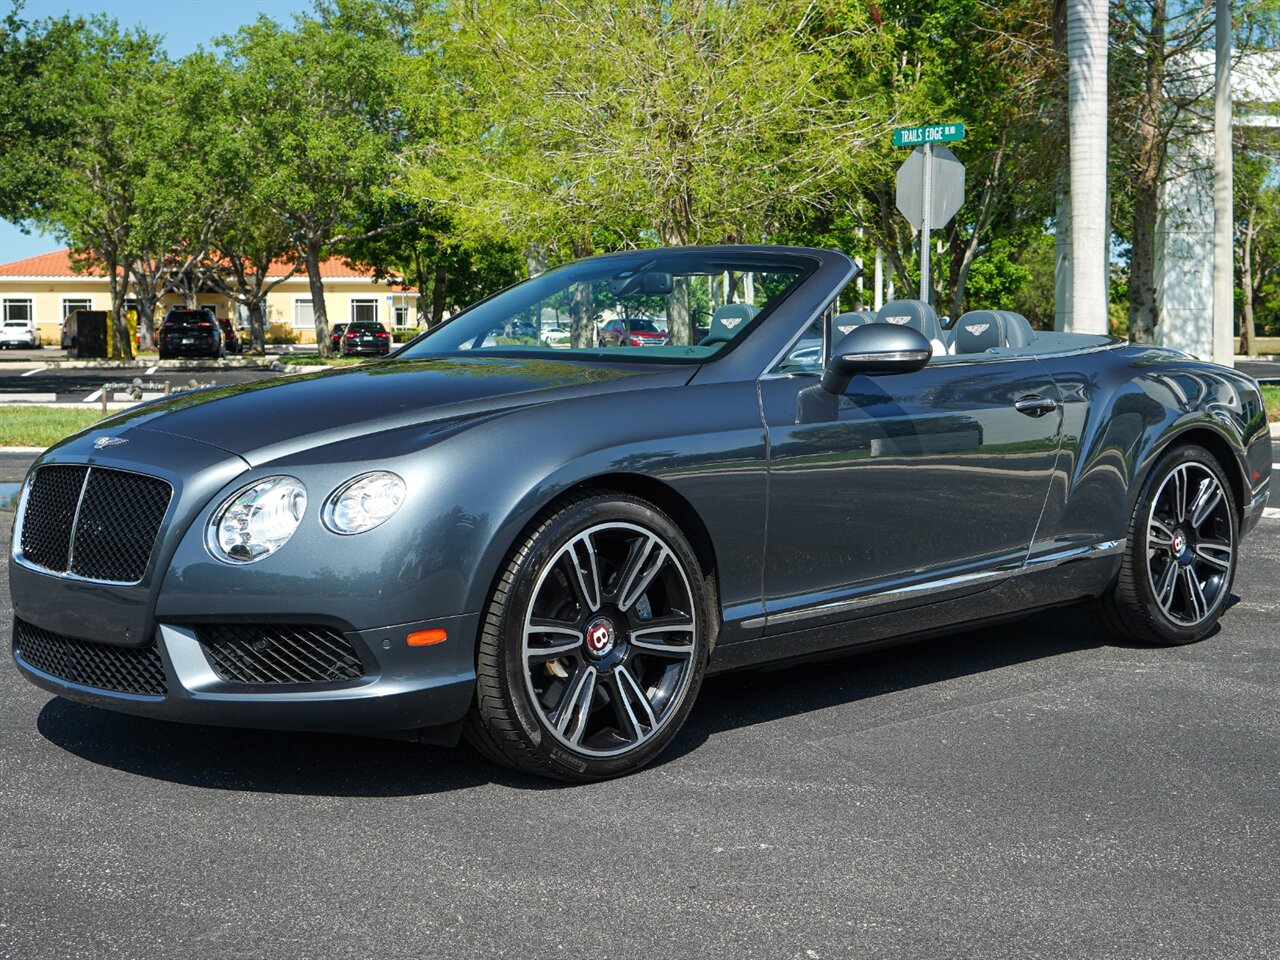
(1180, 559)
(594, 642)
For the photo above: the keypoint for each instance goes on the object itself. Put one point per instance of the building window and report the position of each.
(15, 309)
(403, 315)
(364, 311)
(71, 304)
(303, 314)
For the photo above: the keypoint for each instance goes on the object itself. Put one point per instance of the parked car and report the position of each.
(547, 550)
(190, 333)
(558, 335)
(335, 337)
(18, 333)
(229, 336)
(632, 332)
(365, 339)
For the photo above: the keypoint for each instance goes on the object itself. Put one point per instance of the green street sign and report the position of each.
(919, 136)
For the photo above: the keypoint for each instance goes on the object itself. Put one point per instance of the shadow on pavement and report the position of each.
(335, 765)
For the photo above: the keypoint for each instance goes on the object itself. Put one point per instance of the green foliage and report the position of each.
(282, 333)
(1271, 397)
(589, 124)
(37, 111)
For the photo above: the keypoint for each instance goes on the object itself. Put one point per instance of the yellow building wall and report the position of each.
(47, 298)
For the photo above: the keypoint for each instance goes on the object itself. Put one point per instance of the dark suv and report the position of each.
(192, 333)
(369, 339)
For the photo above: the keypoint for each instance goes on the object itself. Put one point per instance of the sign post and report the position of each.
(922, 201)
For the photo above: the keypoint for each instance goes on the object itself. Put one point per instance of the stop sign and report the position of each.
(948, 187)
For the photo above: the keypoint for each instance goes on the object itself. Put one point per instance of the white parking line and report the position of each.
(151, 370)
(35, 371)
(93, 397)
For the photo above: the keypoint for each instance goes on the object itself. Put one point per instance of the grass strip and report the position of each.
(42, 426)
(1271, 397)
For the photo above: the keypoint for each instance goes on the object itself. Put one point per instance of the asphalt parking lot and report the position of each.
(31, 383)
(1025, 791)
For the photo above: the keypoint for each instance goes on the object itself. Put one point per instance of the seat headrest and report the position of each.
(1017, 331)
(912, 313)
(727, 321)
(980, 330)
(842, 323)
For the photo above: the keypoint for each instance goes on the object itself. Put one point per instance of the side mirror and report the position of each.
(875, 348)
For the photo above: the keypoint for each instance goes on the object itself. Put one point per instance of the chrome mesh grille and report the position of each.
(119, 518)
(279, 653)
(51, 507)
(115, 529)
(101, 665)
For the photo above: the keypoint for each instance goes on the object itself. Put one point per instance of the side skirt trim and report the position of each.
(1035, 564)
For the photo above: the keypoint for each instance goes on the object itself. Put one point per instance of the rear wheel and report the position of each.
(1180, 560)
(594, 643)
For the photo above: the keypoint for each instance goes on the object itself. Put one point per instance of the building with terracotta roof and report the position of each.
(47, 289)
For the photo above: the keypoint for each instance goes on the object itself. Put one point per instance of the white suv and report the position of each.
(17, 333)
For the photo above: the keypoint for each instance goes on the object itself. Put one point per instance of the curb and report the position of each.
(23, 449)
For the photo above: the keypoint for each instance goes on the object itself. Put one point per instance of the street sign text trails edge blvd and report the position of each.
(934, 133)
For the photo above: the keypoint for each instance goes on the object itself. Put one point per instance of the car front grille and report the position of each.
(121, 669)
(93, 522)
(279, 653)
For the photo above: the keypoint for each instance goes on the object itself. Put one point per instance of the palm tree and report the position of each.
(1087, 106)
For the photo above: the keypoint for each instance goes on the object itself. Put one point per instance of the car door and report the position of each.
(909, 488)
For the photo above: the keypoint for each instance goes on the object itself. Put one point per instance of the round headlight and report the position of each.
(363, 502)
(257, 520)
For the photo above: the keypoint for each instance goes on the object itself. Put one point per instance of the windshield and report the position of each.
(700, 302)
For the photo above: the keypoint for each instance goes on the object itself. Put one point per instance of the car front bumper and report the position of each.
(405, 689)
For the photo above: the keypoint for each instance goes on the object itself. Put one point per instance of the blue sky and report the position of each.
(184, 24)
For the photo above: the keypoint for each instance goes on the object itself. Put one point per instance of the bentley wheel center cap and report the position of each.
(600, 637)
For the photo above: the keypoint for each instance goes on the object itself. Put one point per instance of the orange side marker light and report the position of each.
(426, 638)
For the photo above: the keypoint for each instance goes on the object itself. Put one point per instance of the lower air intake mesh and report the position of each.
(101, 665)
(279, 653)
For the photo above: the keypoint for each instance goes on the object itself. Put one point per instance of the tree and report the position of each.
(181, 202)
(118, 78)
(683, 121)
(1257, 233)
(37, 112)
(1162, 84)
(318, 104)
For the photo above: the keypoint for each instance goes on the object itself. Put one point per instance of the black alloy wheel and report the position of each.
(1175, 579)
(595, 642)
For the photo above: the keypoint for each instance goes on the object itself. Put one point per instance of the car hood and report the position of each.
(267, 419)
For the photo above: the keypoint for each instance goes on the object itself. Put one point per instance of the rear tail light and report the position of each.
(351, 336)
(381, 335)
(206, 323)
(636, 342)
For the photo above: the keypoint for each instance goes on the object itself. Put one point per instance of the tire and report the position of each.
(164, 355)
(1176, 575)
(583, 691)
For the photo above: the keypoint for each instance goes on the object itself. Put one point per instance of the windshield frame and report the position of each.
(804, 263)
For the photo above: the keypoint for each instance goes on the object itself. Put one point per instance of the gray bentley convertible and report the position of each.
(544, 544)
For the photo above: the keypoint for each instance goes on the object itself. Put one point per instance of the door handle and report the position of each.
(1034, 405)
